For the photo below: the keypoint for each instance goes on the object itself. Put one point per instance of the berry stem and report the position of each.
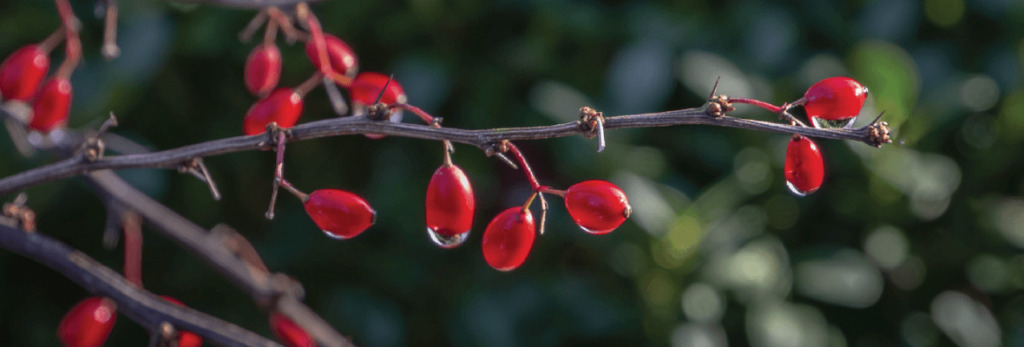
(534, 184)
(548, 190)
(771, 108)
(131, 224)
(285, 24)
(317, 35)
(110, 49)
(72, 45)
(270, 33)
(426, 117)
(309, 84)
(254, 24)
(52, 41)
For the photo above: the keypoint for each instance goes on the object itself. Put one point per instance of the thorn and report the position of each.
(600, 135)
(337, 101)
(507, 160)
(209, 180)
(385, 89)
(714, 90)
(878, 118)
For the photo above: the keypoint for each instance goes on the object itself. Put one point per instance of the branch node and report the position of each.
(378, 112)
(719, 105)
(23, 215)
(878, 134)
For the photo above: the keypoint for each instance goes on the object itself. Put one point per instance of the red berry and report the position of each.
(367, 87)
(597, 206)
(291, 334)
(834, 101)
(804, 167)
(51, 108)
(508, 239)
(341, 56)
(21, 73)
(88, 323)
(340, 214)
(283, 106)
(185, 338)
(263, 69)
(450, 206)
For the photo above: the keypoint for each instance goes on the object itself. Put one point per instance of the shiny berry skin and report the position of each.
(283, 106)
(342, 57)
(263, 69)
(185, 338)
(289, 333)
(51, 107)
(450, 202)
(597, 206)
(805, 169)
(88, 323)
(21, 73)
(367, 86)
(340, 214)
(508, 239)
(835, 98)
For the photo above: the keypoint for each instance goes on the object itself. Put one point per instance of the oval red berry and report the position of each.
(22, 71)
(263, 69)
(289, 333)
(342, 58)
(340, 214)
(508, 239)
(597, 206)
(51, 107)
(834, 101)
(185, 338)
(88, 323)
(805, 169)
(450, 205)
(283, 106)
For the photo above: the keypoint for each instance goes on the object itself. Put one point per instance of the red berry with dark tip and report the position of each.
(185, 338)
(597, 206)
(450, 202)
(368, 85)
(837, 100)
(341, 56)
(805, 169)
(340, 214)
(283, 106)
(22, 71)
(263, 69)
(508, 239)
(51, 107)
(88, 323)
(289, 333)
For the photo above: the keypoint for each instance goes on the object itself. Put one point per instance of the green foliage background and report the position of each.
(916, 244)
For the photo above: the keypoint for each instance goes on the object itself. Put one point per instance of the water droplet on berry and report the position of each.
(447, 241)
(334, 236)
(796, 191)
(832, 123)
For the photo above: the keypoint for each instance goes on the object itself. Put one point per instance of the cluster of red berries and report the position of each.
(22, 72)
(833, 102)
(335, 62)
(88, 324)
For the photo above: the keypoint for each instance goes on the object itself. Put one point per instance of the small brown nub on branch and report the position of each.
(878, 134)
(378, 111)
(719, 105)
(588, 122)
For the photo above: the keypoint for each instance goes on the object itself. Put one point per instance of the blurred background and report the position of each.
(917, 244)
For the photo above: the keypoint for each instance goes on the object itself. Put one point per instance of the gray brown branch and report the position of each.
(484, 139)
(141, 306)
